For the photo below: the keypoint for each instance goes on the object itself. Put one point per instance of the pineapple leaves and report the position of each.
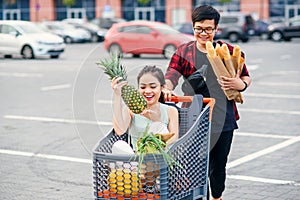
(113, 67)
(131, 96)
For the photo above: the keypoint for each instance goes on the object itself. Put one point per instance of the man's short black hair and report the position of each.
(205, 12)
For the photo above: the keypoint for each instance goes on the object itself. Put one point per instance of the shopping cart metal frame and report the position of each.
(187, 180)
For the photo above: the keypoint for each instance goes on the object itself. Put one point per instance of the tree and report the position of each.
(144, 2)
(224, 1)
(69, 2)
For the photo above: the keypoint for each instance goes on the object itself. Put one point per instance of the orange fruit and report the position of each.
(100, 194)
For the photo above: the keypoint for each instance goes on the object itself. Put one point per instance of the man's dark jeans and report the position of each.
(217, 163)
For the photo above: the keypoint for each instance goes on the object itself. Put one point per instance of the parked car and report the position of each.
(96, 32)
(285, 30)
(261, 29)
(27, 39)
(68, 32)
(186, 28)
(144, 37)
(273, 20)
(235, 26)
(106, 23)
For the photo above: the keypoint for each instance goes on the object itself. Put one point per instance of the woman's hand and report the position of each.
(117, 86)
(152, 113)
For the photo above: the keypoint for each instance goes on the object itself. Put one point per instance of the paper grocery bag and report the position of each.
(230, 68)
(238, 63)
(220, 70)
(232, 65)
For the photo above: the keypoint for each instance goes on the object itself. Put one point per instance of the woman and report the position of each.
(150, 84)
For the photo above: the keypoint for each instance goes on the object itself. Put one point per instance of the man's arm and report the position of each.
(169, 85)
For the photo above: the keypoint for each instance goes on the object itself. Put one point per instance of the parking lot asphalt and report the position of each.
(53, 112)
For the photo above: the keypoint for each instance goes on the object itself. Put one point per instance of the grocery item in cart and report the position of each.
(152, 143)
(122, 147)
(156, 180)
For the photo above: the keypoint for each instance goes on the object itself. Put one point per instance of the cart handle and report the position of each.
(177, 99)
(211, 102)
(208, 101)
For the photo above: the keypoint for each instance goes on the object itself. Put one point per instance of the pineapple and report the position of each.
(131, 96)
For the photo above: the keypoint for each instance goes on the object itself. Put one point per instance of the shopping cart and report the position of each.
(117, 176)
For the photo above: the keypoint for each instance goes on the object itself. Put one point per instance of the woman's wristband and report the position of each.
(246, 85)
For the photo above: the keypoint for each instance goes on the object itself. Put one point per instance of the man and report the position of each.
(191, 57)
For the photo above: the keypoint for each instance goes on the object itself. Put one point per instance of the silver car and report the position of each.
(235, 26)
(68, 32)
(26, 39)
(285, 30)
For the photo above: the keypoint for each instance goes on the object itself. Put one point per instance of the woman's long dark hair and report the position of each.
(156, 72)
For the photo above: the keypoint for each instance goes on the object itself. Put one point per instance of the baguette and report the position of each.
(236, 57)
(241, 64)
(236, 51)
(223, 67)
(228, 61)
(225, 51)
(210, 50)
(219, 51)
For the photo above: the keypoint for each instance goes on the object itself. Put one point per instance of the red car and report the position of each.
(144, 37)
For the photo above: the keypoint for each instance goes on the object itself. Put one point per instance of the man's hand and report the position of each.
(235, 83)
(168, 94)
(168, 90)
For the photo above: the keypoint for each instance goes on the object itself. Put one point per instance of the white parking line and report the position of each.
(105, 101)
(283, 84)
(291, 140)
(56, 87)
(21, 75)
(46, 156)
(285, 57)
(262, 180)
(264, 95)
(252, 67)
(247, 134)
(286, 72)
(89, 161)
(262, 152)
(286, 112)
(57, 120)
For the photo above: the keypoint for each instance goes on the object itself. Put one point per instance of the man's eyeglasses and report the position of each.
(208, 30)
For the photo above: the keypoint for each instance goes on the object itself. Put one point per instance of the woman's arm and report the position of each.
(121, 116)
(173, 124)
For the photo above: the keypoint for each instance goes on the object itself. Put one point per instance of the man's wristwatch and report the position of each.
(246, 85)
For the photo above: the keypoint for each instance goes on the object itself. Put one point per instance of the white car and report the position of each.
(68, 32)
(27, 39)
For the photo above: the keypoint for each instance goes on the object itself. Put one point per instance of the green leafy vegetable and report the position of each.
(153, 144)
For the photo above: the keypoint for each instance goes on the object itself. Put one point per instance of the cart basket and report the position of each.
(117, 176)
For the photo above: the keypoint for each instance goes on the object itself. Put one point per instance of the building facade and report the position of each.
(169, 11)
